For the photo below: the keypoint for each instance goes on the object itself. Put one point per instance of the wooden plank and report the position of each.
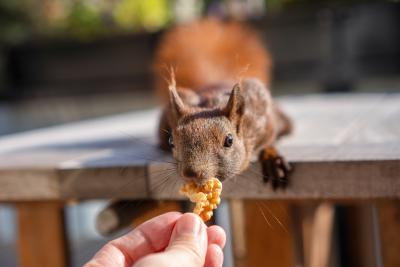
(306, 214)
(41, 237)
(238, 222)
(319, 120)
(268, 234)
(310, 180)
(389, 226)
(299, 244)
(326, 119)
(28, 184)
(113, 182)
(344, 146)
(322, 231)
(357, 242)
(317, 179)
(381, 124)
(104, 133)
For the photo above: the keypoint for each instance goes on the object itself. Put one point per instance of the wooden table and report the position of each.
(345, 146)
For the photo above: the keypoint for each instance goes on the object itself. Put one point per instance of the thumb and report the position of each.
(188, 241)
(187, 246)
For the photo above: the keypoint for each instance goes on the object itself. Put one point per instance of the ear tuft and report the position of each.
(176, 104)
(235, 107)
(234, 110)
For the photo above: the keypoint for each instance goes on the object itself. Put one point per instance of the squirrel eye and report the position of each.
(171, 141)
(228, 141)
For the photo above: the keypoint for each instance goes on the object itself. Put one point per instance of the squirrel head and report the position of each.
(207, 142)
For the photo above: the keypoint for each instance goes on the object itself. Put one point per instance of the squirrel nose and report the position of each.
(189, 173)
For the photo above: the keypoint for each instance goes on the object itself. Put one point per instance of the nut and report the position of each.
(206, 197)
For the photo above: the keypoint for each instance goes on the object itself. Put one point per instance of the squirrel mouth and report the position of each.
(198, 180)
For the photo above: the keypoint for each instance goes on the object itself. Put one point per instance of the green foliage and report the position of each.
(88, 19)
(84, 21)
(142, 14)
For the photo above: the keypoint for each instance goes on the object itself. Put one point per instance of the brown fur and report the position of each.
(208, 52)
(199, 119)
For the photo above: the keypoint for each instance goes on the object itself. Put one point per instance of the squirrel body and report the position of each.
(210, 52)
(218, 118)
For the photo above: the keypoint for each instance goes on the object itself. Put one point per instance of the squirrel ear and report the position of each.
(235, 107)
(176, 104)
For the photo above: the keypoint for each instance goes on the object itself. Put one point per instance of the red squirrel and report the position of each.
(219, 113)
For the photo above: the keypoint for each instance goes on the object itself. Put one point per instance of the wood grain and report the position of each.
(389, 220)
(124, 183)
(268, 234)
(357, 238)
(41, 237)
(345, 146)
(238, 223)
(322, 231)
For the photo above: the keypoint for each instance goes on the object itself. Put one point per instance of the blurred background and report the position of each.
(70, 60)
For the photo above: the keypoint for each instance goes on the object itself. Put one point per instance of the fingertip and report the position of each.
(216, 235)
(189, 223)
(188, 243)
(149, 237)
(192, 214)
(214, 256)
(190, 226)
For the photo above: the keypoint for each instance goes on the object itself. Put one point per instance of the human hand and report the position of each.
(171, 239)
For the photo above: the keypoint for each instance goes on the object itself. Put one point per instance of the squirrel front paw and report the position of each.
(275, 168)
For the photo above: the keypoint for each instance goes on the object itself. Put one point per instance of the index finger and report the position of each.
(151, 236)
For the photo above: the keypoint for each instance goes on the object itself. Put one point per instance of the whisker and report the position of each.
(284, 211)
(124, 155)
(163, 171)
(262, 213)
(276, 219)
(160, 183)
(172, 185)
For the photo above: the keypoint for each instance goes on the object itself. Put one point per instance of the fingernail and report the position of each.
(188, 224)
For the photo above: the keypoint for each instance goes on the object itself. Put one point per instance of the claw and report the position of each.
(275, 168)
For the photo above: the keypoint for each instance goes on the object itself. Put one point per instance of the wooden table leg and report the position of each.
(238, 221)
(357, 243)
(269, 237)
(322, 235)
(389, 226)
(41, 235)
